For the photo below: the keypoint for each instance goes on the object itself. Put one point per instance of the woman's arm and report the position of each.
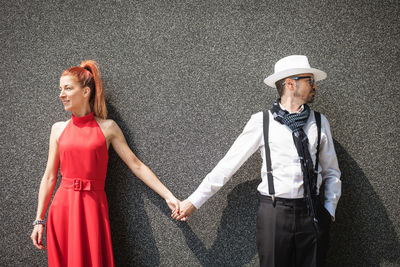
(120, 146)
(47, 185)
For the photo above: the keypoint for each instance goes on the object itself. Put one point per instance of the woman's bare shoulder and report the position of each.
(60, 125)
(106, 124)
(58, 128)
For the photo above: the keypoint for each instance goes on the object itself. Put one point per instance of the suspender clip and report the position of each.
(273, 200)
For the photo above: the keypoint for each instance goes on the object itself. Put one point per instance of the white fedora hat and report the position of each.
(293, 65)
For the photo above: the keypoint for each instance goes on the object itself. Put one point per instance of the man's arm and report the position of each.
(330, 168)
(244, 146)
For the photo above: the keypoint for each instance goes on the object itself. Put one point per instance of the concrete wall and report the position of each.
(182, 78)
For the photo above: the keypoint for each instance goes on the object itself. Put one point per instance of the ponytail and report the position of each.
(88, 75)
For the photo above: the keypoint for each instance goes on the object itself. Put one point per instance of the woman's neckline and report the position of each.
(83, 119)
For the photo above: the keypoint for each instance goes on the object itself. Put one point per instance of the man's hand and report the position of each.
(186, 209)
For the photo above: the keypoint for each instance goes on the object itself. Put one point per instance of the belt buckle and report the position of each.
(77, 185)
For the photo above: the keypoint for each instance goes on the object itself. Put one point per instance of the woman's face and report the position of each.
(72, 95)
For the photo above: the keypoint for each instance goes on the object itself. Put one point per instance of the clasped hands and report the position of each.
(181, 210)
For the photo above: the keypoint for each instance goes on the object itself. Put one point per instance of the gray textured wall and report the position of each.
(182, 79)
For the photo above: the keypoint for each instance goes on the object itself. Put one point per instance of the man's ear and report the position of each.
(290, 84)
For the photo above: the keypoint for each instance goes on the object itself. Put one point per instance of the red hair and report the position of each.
(88, 75)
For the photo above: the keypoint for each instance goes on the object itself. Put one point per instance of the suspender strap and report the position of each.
(271, 188)
(318, 121)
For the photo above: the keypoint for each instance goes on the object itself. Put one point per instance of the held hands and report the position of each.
(175, 205)
(186, 209)
(37, 236)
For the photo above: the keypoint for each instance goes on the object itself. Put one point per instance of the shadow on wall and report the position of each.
(129, 222)
(363, 234)
(235, 244)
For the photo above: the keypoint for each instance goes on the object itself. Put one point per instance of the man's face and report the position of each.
(304, 91)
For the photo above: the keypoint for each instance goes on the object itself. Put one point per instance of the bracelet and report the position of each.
(42, 222)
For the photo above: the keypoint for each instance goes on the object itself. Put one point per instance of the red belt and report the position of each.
(78, 184)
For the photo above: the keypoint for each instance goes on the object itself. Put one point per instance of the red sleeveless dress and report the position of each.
(78, 229)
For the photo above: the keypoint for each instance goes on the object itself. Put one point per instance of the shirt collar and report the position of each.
(299, 111)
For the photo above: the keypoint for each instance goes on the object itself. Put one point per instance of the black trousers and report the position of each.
(287, 235)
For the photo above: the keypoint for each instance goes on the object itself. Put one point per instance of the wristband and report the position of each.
(42, 222)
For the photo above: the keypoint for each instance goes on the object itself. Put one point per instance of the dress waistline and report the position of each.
(78, 184)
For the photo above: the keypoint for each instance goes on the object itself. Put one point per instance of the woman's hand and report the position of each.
(173, 203)
(37, 236)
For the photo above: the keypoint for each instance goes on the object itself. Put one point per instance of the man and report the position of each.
(292, 224)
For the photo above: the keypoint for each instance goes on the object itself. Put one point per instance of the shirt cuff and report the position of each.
(197, 200)
(331, 209)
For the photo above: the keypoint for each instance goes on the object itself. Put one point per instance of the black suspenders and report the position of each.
(271, 188)
(318, 122)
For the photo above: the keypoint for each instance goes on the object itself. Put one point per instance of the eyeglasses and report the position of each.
(311, 81)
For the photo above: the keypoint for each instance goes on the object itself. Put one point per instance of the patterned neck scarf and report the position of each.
(295, 121)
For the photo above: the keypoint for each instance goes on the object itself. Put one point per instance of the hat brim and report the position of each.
(272, 79)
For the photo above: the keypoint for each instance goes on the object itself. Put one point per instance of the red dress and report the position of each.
(78, 229)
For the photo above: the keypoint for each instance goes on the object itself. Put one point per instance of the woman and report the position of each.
(78, 231)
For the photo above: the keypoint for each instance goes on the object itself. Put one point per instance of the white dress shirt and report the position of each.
(285, 162)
